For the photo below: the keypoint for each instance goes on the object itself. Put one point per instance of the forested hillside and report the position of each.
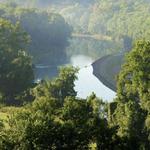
(48, 114)
(49, 33)
(121, 21)
(57, 119)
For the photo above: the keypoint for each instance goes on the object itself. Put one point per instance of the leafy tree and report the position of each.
(45, 124)
(16, 74)
(133, 80)
(60, 87)
(49, 123)
(49, 34)
(133, 96)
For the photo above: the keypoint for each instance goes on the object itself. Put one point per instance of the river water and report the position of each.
(86, 83)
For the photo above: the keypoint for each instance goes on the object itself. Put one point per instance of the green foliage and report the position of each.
(58, 122)
(57, 119)
(123, 21)
(60, 87)
(133, 96)
(16, 74)
(133, 81)
(120, 20)
(49, 32)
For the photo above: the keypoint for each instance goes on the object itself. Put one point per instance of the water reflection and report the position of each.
(87, 82)
(44, 71)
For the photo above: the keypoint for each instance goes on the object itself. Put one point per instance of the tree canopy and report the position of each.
(56, 118)
(16, 74)
(132, 113)
(49, 32)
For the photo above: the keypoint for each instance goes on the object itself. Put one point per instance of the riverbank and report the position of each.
(107, 68)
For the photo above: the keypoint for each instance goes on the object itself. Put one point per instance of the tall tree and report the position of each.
(134, 95)
(16, 73)
(61, 86)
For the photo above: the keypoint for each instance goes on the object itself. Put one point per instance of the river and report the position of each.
(86, 83)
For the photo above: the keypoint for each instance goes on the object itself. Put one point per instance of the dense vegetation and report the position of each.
(48, 114)
(118, 23)
(121, 21)
(57, 119)
(16, 73)
(49, 33)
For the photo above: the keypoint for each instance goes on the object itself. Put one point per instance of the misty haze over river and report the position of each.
(86, 83)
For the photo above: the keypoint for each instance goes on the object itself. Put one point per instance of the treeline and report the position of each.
(55, 118)
(123, 21)
(110, 17)
(49, 32)
(49, 115)
(16, 67)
